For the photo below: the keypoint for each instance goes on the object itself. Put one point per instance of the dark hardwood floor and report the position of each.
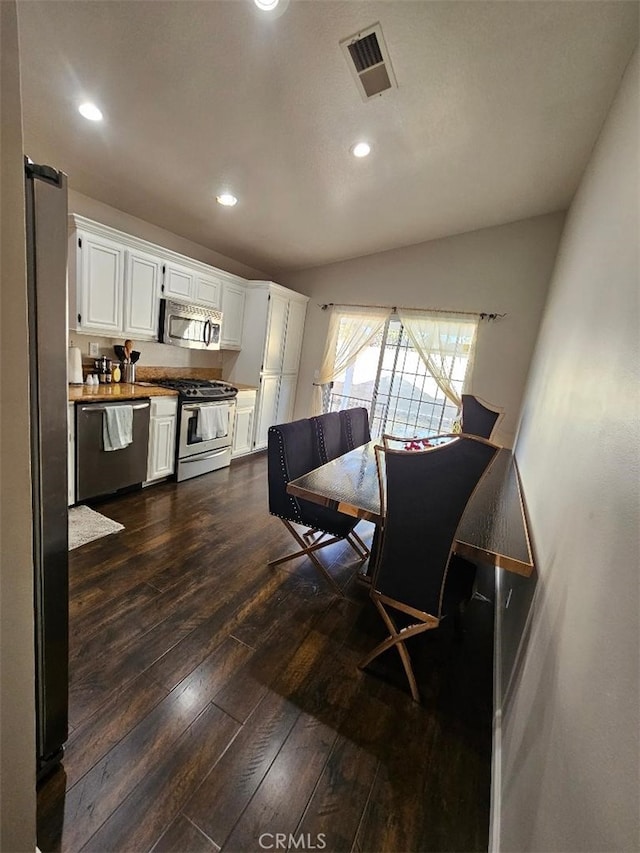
(213, 699)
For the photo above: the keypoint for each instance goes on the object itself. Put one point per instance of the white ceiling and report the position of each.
(497, 108)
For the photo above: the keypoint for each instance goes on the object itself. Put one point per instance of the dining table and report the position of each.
(493, 528)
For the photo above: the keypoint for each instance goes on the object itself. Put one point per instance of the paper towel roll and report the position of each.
(75, 366)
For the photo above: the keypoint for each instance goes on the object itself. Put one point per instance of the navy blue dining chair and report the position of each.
(292, 451)
(423, 495)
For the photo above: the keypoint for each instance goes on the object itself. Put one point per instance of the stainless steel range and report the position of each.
(206, 417)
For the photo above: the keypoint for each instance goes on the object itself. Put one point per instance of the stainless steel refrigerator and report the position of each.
(46, 210)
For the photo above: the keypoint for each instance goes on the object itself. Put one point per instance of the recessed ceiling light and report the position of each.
(226, 199)
(266, 5)
(90, 111)
(361, 149)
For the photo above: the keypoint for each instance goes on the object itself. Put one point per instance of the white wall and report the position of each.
(504, 270)
(17, 697)
(571, 724)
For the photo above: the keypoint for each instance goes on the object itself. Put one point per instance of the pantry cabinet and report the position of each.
(116, 282)
(270, 354)
(162, 438)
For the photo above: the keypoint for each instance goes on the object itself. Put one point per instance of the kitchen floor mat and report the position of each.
(85, 525)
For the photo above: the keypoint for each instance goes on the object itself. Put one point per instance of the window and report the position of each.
(392, 381)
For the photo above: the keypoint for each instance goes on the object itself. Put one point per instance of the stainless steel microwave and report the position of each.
(193, 326)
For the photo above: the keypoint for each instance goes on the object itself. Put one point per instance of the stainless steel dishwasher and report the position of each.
(102, 472)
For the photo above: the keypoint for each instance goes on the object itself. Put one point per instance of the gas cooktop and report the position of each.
(202, 389)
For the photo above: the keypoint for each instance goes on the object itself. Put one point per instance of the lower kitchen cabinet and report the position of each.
(243, 430)
(162, 438)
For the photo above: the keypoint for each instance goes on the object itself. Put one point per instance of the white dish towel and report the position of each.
(213, 421)
(117, 427)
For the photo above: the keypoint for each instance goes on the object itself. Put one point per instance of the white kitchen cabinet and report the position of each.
(101, 274)
(71, 453)
(244, 421)
(178, 282)
(276, 332)
(141, 293)
(207, 290)
(162, 438)
(286, 398)
(270, 354)
(267, 408)
(116, 282)
(232, 304)
(293, 341)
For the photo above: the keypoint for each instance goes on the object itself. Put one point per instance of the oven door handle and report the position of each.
(203, 457)
(217, 403)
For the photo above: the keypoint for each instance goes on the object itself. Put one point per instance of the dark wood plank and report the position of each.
(280, 801)
(158, 799)
(337, 804)
(183, 837)
(226, 792)
(122, 711)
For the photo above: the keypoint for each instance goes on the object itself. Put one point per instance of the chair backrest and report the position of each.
(424, 494)
(477, 419)
(328, 429)
(355, 428)
(292, 451)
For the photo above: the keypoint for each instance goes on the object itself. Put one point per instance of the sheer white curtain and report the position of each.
(350, 330)
(439, 339)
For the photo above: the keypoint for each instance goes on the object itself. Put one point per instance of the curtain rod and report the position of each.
(483, 315)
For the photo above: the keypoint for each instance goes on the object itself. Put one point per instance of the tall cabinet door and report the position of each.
(142, 291)
(102, 264)
(286, 398)
(293, 342)
(276, 331)
(267, 408)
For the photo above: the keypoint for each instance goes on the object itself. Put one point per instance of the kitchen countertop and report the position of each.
(116, 391)
(127, 391)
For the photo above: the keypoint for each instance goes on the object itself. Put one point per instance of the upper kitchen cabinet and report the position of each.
(114, 287)
(232, 304)
(116, 282)
(188, 284)
(141, 290)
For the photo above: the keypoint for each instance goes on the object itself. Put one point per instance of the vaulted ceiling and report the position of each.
(496, 110)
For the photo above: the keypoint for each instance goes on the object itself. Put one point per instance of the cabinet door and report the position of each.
(286, 398)
(233, 298)
(243, 430)
(141, 295)
(178, 282)
(207, 291)
(162, 437)
(293, 340)
(101, 284)
(276, 329)
(267, 408)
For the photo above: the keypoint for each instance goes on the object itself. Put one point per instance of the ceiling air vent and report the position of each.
(368, 60)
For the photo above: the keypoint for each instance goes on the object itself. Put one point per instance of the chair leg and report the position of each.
(397, 639)
(360, 542)
(307, 551)
(362, 554)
